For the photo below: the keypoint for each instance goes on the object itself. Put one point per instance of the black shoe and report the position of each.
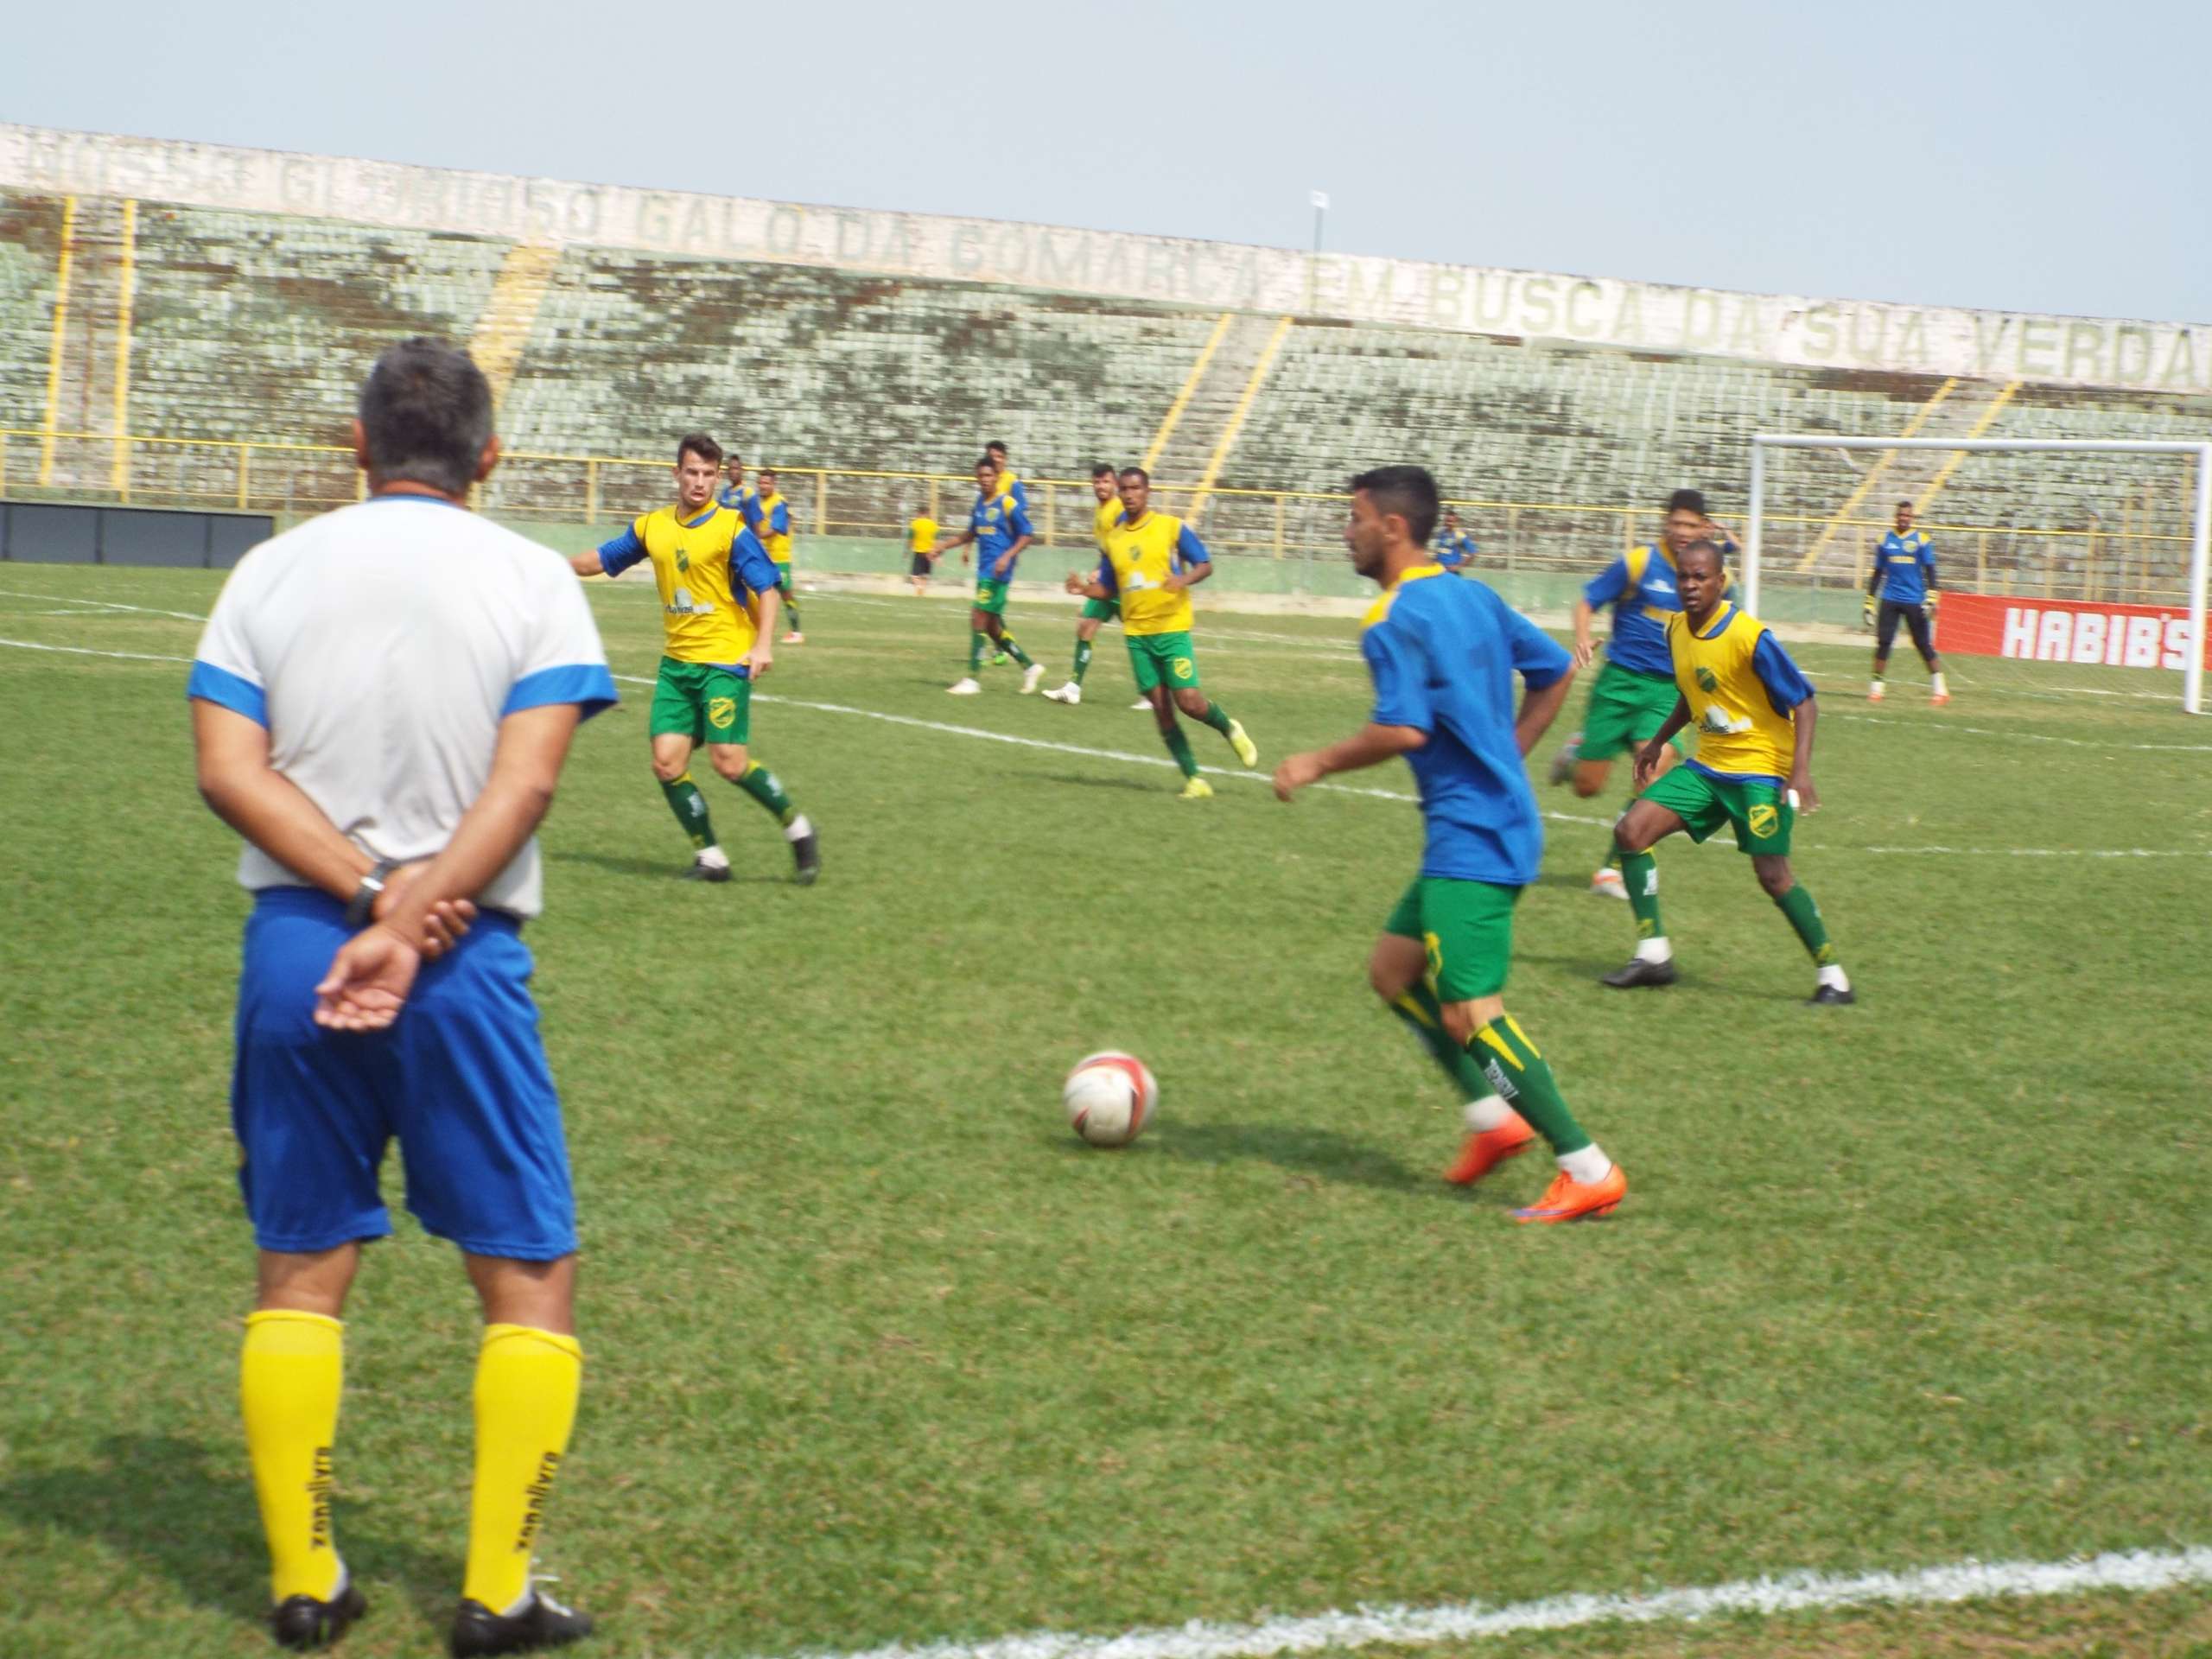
(1640, 972)
(806, 859)
(703, 872)
(1830, 994)
(543, 1623)
(304, 1624)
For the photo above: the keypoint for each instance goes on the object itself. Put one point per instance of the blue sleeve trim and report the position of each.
(618, 555)
(586, 684)
(1607, 585)
(240, 696)
(779, 521)
(1106, 575)
(1785, 686)
(750, 563)
(1190, 548)
(1017, 522)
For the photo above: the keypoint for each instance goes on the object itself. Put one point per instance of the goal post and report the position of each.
(2200, 548)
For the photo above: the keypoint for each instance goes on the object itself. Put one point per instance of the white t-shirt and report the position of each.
(382, 644)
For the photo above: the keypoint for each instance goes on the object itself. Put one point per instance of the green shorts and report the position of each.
(1625, 711)
(991, 595)
(783, 572)
(706, 703)
(1168, 659)
(1467, 929)
(1761, 812)
(1100, 610)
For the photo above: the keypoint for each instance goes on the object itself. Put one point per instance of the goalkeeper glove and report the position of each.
(1866, 612)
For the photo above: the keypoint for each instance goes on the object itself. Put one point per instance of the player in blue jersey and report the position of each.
(1455, 548)
(1634, 692)
(999, 528)
(1904, 579)
(1443, 656)
(739, 500)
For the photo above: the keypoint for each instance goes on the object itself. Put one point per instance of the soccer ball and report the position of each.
(1110, 1097)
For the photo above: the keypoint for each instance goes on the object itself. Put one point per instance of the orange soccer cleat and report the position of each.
(1487, 1148)
(1568, 1199)
(1939, 699)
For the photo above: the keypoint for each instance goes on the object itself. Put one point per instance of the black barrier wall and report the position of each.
(48, 532)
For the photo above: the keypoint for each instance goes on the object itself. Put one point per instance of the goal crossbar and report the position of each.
(2200, 545)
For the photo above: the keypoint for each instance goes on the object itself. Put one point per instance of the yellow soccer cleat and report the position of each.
(1196, 790)
(1247, 750)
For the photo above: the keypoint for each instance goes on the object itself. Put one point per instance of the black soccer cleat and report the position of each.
(543, 1623)
(806, 859)
(303, 1624)
(1641, 972)
(704, 871)
(1830, 994)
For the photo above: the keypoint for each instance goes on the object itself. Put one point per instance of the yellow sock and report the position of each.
(289, 1380)
(526, 1386)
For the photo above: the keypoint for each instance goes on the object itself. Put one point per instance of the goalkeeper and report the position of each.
(1905, 577)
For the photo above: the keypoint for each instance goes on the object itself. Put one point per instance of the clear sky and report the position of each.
(2009, 154)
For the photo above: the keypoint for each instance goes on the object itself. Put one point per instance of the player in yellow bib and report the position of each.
(718, 608)
(1754, 713)
(1152, 561)
(921, 545)
(1106, 484)
(772, 523)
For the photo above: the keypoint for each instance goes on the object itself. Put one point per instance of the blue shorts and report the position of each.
(461, 1078)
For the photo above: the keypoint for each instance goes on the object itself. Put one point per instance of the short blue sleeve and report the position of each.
(1785, 687)
(588, 685)
(1607, 585)
(618, 555)
(1190, 548)
(1017, 522)
(779, 521)
(1400, 667)
(1539, 659)
(749, 563)
(1106, 575)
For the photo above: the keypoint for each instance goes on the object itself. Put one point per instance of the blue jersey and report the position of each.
(1640, 587)
(999, 522)
(1443, 655)
(1454, 552)
(1904, 567)
(744, 503)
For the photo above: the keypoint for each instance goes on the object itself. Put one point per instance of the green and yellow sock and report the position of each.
(1805, 916)
(975, 644)
(764, 786)
(527, 1381)
(1424, 1016)
(1179, 747)
(1082, 660)
(289, 1376)
(1514, 1069)
(1640, 873)
(1006, 644)
(1217, 717)
(691, 809)
(791, 604)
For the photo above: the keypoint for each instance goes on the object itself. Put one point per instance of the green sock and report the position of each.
(790, 603)
(1805, 916)
(1640, 871)
(1514, 1069)
(1424, 1017)
(1215, 717)
(762, 785)
(1006, 644)
(1082, 660)
(691, 809)
(976, 642)
(1179, 747)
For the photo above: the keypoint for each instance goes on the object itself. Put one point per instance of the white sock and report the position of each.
(1587, 1164)
(1876, 686)
(1655, 949)
(1491, 1112)
(1833, 974)
(798, 828)
(1938, 683)
(714, 859)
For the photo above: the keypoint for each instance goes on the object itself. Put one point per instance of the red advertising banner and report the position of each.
(2042, 631)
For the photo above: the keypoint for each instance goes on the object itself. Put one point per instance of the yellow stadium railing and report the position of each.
(2133, 562)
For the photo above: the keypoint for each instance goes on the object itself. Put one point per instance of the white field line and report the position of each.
(102, 604)
(1401, 1626)
(1127, 758)
(2034, 737)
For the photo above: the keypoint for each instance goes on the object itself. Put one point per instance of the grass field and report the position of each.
(878, 1353)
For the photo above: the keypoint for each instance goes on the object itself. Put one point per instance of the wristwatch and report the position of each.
(366, 895)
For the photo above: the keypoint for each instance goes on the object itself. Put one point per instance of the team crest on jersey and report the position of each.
(1763, 820)
(683, 559)
(1706, 682)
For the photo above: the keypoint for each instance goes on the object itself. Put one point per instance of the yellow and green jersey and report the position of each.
(1742, 691)
(1138, 558)
(921, 534)
(773, 525)
(703, 566)
(1109, 515)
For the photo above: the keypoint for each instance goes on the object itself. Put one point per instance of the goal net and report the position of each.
(2070, 569)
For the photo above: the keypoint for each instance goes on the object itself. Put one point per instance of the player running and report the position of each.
(1755, 714)
(1905, 577)
(921, 541)
(1151, 562)
(739, 500)
(704, 560)
(772, 523)
(1634, 692)
(1097, 612)
(1443, 655)
(1455, 548)
(1000, 529)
